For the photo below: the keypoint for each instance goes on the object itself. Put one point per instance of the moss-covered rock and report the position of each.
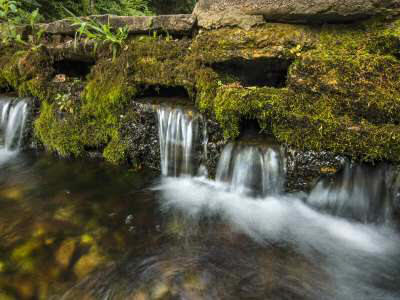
(341, 92)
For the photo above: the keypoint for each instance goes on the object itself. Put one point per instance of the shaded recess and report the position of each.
(163, 91)
(73, 68)
(249, 128)
(270, 72)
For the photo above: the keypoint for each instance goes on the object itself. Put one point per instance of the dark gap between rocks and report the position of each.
(163, 91)
(73, 68)
(270, 72)
(249, 128)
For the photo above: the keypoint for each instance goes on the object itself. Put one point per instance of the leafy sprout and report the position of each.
(92, 30)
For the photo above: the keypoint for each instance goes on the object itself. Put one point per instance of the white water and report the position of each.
(336, 225)
(359, 192)
(251, 169)
(13, 117)
(355, 255)
(179, 140)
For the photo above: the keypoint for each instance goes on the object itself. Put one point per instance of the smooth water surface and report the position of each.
(60, 219)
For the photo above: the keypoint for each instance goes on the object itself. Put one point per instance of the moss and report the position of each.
(161, 62)
(327, 132)
(28, 72)
(235, 103)
(387, 40)
(93, 121)
(342, 92)
(116, 151)
(270, 40)
(343, 96)
(61, 135)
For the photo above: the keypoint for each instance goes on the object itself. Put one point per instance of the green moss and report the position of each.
(387, 39)
(342, 93)
(61, 135)
(270, 40)
(28, 72)
(116, 150)
(232, 104)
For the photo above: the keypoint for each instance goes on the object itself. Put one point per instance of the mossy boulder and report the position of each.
(339, 90)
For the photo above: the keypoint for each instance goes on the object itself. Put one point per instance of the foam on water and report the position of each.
(359, 257)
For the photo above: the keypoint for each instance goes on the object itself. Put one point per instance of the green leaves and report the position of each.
(92, 30)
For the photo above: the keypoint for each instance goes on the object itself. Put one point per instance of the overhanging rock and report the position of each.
(244, 13)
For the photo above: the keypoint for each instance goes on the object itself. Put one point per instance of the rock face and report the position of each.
(174, 24)
(218, 13)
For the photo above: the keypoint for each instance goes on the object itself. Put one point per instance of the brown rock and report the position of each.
(65, 252)
(174, 24)
(88, 262)
(217, 13)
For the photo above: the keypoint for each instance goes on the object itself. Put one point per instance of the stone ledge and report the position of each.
(174, 24)
(220, 13)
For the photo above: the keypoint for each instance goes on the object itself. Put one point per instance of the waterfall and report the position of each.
(358, 192)
(180, 140)
(252, 169)
(13, 117)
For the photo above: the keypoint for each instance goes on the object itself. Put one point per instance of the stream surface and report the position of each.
(72, 229)
(81, 229)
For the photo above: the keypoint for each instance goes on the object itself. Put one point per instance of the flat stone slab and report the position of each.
(219, 13)
(174, 24)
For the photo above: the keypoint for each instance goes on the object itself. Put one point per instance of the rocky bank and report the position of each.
(327, 87)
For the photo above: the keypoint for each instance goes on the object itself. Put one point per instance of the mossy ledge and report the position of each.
(342, 91)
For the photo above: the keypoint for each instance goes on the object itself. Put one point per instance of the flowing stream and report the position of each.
(179, 140)
(72, 229)
(13, 117)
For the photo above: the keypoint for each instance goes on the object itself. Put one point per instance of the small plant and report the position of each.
(13, 15)
(37, 33)
(99, 33)
(65, 103)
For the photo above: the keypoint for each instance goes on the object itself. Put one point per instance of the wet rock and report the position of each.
(159, 291)
(23, 255)
(12, 193)
(141, 132)
(304, 168)
(65, 214)
(65, 252)
(88, 262)
(174, 24)
(218, 13)
(26, 289)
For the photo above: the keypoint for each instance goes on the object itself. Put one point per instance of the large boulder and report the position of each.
(246, 13)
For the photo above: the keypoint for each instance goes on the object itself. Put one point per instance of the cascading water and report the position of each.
(252, 169)
(180, 141)
(358, 192)
(13, 118)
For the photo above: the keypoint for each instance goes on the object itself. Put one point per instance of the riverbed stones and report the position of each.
(219, 13)
(171, 24)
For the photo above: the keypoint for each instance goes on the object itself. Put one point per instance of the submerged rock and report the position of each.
(218, 13)
(88, 262)
(65, 251)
